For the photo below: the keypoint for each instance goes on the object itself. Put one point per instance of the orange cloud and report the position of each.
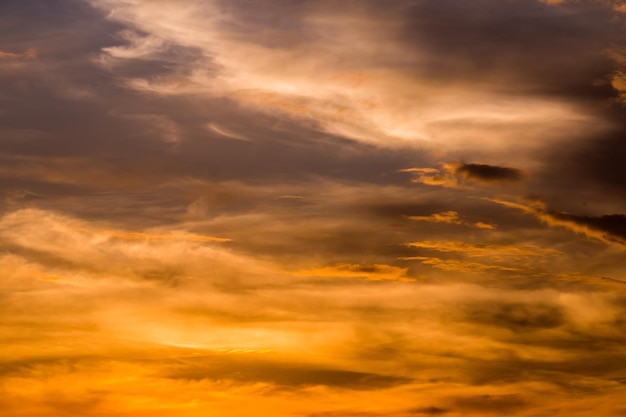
(618, 82)
(450, 217)
(456, 265)
(191, 237)
(431, 176)
(476, 250)
(443, 217)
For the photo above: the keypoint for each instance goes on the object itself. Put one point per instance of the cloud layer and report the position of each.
(312, 208)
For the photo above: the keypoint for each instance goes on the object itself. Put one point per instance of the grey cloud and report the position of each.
(489, 40)
(488, 173)
(589, 173)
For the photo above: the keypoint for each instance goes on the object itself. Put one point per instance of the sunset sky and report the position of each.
(312, 208)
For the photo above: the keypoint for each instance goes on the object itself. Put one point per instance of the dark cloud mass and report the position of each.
(312, 208)
(614, 225)
(488, 173)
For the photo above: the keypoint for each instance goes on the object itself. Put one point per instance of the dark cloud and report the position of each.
(608, 228)
(347, 413)
(588, 173)
(490, 40)
(518, 317)
(613, 225)
(430, 411)
(488, 173)
(284, 374)
(570, 54)
(492, 404)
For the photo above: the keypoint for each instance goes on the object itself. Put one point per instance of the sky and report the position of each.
(312, 208)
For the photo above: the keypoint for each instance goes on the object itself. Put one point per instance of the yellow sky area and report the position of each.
(141, 326)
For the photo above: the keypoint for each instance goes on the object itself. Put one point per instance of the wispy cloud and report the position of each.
(607, 228)
(30, 53)
(450, 217)
(369, 100)
(371, 272)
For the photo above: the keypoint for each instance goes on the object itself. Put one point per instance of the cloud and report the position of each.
(161, 125)
(455, 175)
(481, 259)
(374, 272)
(492, 404)
(30, 53)
(74, 251)
(488, 173)
(443, 217)
(119, 234)
(450, 217)
(610, 228)
(432, 176)
(202, 212)
(113, 322)
(518, 317)
(431, 411)
(285, 375)
(360, 93)
(455, 265)
(224, 132)
(477, 250)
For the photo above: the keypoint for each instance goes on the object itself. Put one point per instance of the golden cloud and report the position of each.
(374, 272)
(450, 217)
